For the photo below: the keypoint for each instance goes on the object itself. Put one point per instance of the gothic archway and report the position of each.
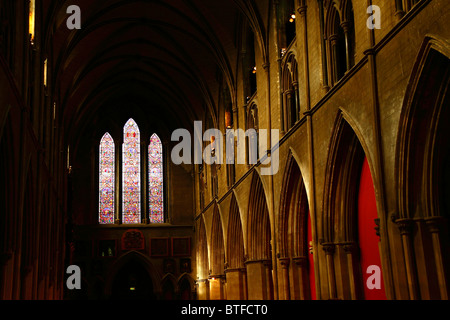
(132, 277)
(295, 232)
(216, 279)
(235, 269)
(344, 207)
(259, 263)
(423, 162)
(202, 260)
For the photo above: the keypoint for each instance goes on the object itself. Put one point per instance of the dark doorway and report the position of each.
(132, 282)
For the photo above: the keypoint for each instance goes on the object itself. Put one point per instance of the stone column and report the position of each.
(302, 264)
(350, 250)
(202, 289)
(399, 11)
(334, 57)
(258, 276)
(268, 279)
(284, 262)
(405, 226)
(216, 287)
(235, 289)
(329, 249)
(433, 224)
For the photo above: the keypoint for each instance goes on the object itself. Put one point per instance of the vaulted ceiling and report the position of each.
(145, 58)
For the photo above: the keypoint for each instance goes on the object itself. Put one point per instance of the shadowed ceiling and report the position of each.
(158, 60)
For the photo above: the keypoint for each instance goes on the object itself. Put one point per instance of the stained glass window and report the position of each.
(156, 180)
(106, 183)
(131, 180)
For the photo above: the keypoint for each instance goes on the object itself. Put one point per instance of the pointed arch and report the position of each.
(295, 234)
(202, 250)
(106, 180)
(169, 287)
(259, 243)
(340, 35)
(155, 180)
(202, 260)
(344, 164)
(259, 236)
(186, 287)
(235, 237)
(423, 170)
(293, 212)
(421, 121)
(349, 215)
(131, 173)
(291, 97)
(135, 258)
(217, 245)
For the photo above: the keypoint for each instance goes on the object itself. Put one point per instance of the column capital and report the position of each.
(349, 247)
(405, 225)
(434, 223)
(300, 261)
(329, 248)
(284, 261)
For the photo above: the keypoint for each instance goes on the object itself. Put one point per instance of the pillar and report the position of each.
(216, 287)
(433, 224)
(350, 251)
(405, 227)
(329, 249)
(303, 287)
(284, 262)
(259, 279)
(236, 285)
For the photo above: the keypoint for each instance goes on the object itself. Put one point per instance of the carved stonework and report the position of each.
(133, 240)
(350, 247)
(434, 223)
(404, 225)
(329, 248)
(284, 262)
(300, 261)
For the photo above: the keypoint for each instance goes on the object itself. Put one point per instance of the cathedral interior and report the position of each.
(339, 186)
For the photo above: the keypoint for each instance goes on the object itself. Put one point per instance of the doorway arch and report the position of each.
(133, 277)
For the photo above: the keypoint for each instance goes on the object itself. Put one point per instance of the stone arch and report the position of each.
(294, 234)
(235, 238)
(202, 260)
(138, 259)
(217, 255)
(169, 287)
(186, 287)
(259, 248)
(235, 255)
(340, 35)
(217, 245)
(259, 239)
(290, 90)
(294, 202)
(342, 232)
(423, 170)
